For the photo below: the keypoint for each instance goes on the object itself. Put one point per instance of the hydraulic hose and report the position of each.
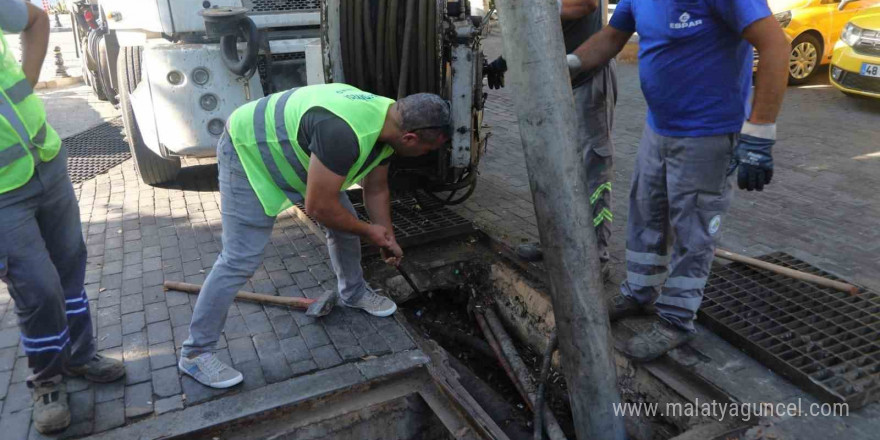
(391, 47)
(379, 64)
(407, 39)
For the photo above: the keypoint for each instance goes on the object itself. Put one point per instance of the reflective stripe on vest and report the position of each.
(25, 137)
(264, 133)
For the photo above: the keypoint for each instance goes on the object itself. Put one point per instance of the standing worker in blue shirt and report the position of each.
(695, 65)
(42, 252)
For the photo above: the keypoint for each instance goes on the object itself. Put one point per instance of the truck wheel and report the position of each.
(152, 168)
(104, 71)
(95, 83)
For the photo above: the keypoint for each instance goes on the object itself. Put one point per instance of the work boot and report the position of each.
(662, 337)
(98, 369)
(51, 413)
(210, 371)
(530, 252)
(373, 303)
(622, 306)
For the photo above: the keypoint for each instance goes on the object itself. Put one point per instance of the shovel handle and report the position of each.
(299, 303)
(791, 273)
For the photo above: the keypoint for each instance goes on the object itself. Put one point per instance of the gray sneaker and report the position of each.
(210, 371)
(374, 304)
(51, 413)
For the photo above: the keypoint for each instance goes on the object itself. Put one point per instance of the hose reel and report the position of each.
(396, 48)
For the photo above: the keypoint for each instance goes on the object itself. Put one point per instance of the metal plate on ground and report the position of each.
(95, 151)
(825, 341)
(416, 221)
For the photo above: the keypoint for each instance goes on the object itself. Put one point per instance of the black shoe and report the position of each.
(662, 337)
(530, 252)
(623, 306)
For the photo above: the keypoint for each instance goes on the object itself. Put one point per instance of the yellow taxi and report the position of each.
(855, 64)
(813, 27)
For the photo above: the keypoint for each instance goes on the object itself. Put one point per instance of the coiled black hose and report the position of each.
(389, 47)
(229, 46)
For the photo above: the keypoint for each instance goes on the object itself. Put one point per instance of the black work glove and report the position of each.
(494, 72)
(754, 156)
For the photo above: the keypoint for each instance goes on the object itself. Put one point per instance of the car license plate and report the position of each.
(871, 70)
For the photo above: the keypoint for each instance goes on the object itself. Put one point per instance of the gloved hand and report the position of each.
(754, 156)
(494, 72)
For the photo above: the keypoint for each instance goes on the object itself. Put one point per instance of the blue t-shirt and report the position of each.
(694, 65)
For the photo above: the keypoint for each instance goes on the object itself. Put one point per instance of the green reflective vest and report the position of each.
(25, 137)
(264, 133)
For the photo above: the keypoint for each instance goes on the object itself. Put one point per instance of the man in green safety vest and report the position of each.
(42, 252)
(308, 144)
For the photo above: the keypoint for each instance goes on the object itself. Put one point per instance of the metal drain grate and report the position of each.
(95, 151)
(415, 221)
(825, 341)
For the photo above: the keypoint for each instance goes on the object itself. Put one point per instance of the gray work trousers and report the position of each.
(43, 263)
(594, 103)
(246, 232)
(679, 183)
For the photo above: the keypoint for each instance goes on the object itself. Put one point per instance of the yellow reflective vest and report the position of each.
(26, 139)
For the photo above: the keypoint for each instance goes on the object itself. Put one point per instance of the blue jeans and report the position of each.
(43, 262)
(246, 232)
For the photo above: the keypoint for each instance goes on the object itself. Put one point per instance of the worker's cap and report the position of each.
(423, 111)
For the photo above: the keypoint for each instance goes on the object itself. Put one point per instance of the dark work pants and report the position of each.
(678, 182)
(43, 261)
(594, 103)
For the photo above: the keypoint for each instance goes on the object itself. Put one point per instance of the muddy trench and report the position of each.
(452, 290)
(444, 316)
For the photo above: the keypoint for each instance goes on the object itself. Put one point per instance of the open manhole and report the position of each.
(95, 151)
(825, 341)
(416, 219)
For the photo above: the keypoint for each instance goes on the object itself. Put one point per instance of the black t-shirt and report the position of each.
(331, 140)
(577, 31)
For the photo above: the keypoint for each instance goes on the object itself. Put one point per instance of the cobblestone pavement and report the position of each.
(822, 206)
(138, 236)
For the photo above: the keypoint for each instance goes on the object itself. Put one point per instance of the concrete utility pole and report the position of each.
(535, 54)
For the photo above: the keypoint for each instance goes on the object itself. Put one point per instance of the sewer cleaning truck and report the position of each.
(178, 68)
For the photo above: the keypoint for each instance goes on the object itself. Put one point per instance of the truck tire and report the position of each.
(95, 83)
(104, 72)
(152, 168)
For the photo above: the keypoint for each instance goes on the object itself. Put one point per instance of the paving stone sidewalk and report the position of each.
(139, 236)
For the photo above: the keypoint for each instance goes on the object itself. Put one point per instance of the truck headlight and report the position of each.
(784, 18)
(851, 34)
(200, 76)
(208, 101)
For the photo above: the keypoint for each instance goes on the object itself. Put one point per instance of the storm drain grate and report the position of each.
(825, 341)
(95, 151)
(416, 221)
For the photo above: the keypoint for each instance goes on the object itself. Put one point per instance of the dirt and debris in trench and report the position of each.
(448, 309)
